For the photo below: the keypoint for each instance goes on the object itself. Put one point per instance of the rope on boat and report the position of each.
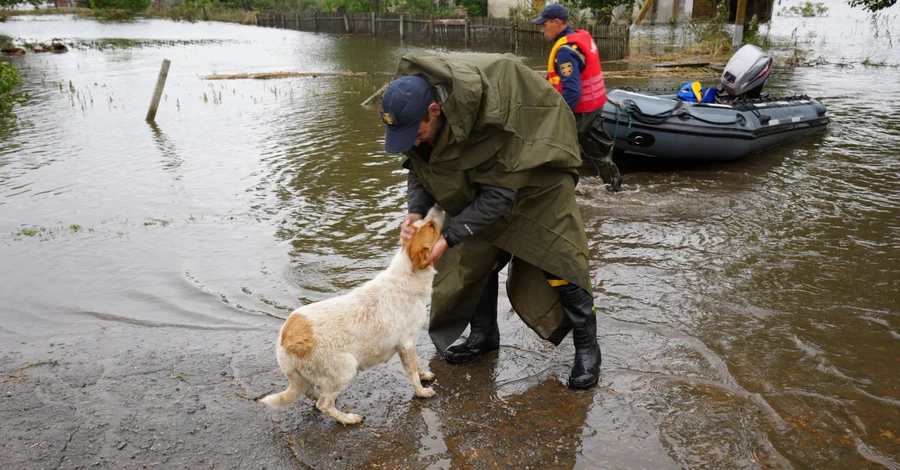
(633, 110)
(630, 107)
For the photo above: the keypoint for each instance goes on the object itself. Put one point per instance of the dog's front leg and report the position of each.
(411, 365)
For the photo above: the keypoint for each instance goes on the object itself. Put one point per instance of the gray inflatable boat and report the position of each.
(738, 121)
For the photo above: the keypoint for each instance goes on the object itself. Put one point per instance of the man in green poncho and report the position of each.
(494, 145)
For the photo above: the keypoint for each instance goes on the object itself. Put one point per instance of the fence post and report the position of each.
(401, 26)
(516, 36)
(373, 24)
(346, 24)
(466, 32)
(627, 51)
(431, 28)
(157, 92)
(315, 22)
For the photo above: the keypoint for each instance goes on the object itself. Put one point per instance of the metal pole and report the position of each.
(157, 93)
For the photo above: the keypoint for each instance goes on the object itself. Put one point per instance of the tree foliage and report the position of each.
(806, 9)
(129, 5)
(603, 9)
(872, 5)
(9, 4)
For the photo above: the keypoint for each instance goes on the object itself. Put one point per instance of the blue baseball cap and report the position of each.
(552, 11)
(403, 104)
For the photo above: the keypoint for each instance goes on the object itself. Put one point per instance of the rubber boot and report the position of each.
(484, 334)
(579, 307)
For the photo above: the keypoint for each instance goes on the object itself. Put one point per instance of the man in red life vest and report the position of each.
(574, 70)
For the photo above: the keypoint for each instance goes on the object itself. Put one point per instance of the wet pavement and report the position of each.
(747, 310)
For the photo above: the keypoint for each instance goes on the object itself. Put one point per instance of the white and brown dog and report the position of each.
(323, 345)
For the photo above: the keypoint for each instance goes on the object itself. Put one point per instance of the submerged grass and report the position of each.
(122, 43)
(44, 233)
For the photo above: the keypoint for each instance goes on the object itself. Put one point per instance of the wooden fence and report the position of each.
(516, 36)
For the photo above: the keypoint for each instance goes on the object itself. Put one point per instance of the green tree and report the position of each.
(872, 5)
(475, 7)
(9, 4)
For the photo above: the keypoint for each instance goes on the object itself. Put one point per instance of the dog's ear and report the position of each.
(421, 257)
(420, 246)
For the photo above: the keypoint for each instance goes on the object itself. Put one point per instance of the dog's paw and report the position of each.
(427, 375)
(425, 392)
(350, 418)
(273, 401)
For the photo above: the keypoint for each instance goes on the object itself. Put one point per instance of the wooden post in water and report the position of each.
(157, 93)
(739, 23)
(401, 26)
(374, 33)
(466, 32)
(346, 24)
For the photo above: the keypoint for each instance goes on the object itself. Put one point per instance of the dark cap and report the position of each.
(552, 11)
(403, 104)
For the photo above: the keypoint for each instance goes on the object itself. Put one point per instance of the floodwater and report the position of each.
(748, 311)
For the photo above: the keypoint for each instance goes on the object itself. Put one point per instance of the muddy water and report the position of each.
(748, 310)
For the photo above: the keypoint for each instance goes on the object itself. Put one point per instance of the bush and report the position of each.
(348, 5)
(475, 7)
(9, 80)
(128, 5)
(806, 9)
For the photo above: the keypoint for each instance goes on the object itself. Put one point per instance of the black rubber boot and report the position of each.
(579, 307)
(484, 335)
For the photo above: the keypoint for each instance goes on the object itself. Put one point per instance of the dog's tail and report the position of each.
(296, 388)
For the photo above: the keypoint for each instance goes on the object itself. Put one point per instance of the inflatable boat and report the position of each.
(727, 122)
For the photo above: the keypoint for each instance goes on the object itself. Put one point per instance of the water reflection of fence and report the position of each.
(518, 36)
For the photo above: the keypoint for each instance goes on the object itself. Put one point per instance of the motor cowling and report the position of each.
(746, 72)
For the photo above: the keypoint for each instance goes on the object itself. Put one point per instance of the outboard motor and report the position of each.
(746, 72)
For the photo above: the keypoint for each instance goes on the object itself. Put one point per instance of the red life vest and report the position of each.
(593, 90)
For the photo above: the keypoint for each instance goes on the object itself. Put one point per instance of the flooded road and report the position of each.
(748, 311)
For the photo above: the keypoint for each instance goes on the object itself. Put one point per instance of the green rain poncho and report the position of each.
(505, 126)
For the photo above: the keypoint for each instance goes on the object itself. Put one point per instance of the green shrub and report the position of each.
(9, 80)
(475, 7)
(348, 5)
(128, 5)
(186, 11)
(806, 9)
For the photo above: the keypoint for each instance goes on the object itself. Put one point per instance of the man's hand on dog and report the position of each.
(407, 231)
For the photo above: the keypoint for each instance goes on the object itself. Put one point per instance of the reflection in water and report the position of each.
(171, 158)
(748, 310)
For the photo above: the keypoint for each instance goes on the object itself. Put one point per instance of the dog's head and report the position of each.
(428, 231)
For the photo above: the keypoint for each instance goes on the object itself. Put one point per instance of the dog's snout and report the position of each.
(436, 214)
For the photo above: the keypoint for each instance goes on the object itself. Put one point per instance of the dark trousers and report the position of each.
(597, 146)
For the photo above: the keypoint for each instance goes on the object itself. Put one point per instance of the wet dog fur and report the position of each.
(322, 346)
